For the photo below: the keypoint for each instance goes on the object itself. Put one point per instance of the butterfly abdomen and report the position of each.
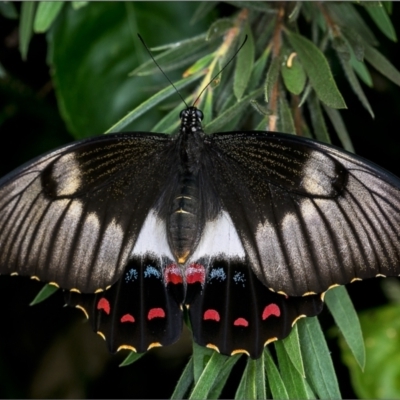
(184, 220)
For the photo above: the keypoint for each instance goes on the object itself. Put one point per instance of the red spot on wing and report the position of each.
(172, 274)
(212, 314)
(195, 273)
(271, 309)
(241, 322)
(104, 305)
(127, 318)
(156, 313)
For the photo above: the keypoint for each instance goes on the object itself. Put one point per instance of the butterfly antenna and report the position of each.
(155, 62)
(231, 59)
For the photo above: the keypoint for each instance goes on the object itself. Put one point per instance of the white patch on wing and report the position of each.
(219, 238)
(152, 239)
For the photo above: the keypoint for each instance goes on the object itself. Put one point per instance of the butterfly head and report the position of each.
(191, 118)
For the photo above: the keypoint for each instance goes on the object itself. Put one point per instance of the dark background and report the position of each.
(48, 350)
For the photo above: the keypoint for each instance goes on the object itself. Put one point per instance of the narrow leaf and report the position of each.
(46, 13)
(275, 381)
(25, 26)
(247, 387)
(262, 6)
(379, 62)
(76, 5)
(177, 55)
(46, 291)
(131, 358)
(258, 69)
(8, 10)
(292, 347)
(361, 70)
(293, 381)
(221, 121)
(260, 377)
(340, 127)
(208, 376)
(202, 10)
(185, 380)
(223, 376)
(244, 66)
(285, 121)
(355, 85)
(346, 318)
(317, 360)
(219, 27)
(317, 69)
(317, 119)
(152, 101)
(382, 21)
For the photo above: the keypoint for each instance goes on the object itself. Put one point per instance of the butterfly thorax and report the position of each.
(185, 220)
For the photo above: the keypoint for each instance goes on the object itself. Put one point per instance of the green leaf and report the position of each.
(219, 27)
(223, 376)
(204, 8)
(151, 102)
(345, 15)
(46, 291)
(317, 360)
(294, 14)
(185, 380)
(355, 85)
(91, 52)
(76, 5)
(8, 10)
(361, 70)
(200, 64)
(380, 63)
(179, 54)
(247, 388)
(221, 121)
(28, 9)
(208, 376)
(345, 316)
(275, 381)
(260, 377)
(262, 6)
(317, 70)
(292, 379)
(292, 347)
(201, 356)
(46, 14)
(244, 66)
(285, 120)
(340, 127)
(293, 75)
(258, 69)
(317, 119)
(381, 376)
(382, 21)
(131, 358)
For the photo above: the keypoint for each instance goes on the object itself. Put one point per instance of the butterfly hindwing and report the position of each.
(72, 216)
(142, 310)
(309, 215)
(230, 309)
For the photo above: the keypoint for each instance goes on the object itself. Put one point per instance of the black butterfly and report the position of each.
(136, 225)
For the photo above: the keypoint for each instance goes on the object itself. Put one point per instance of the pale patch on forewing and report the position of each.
(111, 243)
(219, 238)
(152, 238)
(67, 173)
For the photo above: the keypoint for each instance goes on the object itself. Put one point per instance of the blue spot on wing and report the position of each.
(151, 271)
(239, 278)
(216, 274)
(131, 275)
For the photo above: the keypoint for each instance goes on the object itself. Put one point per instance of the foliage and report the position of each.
(283, 72)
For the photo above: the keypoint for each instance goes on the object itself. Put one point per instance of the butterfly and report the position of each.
(242, 231)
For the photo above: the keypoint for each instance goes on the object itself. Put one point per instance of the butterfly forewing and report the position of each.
(309, 216)
(72, 216)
